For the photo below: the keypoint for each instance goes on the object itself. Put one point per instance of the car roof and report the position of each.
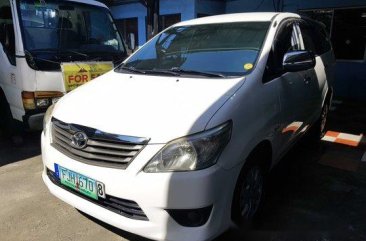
(238, 17)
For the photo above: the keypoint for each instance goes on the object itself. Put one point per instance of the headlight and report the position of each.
(193, 152)
(47, 118)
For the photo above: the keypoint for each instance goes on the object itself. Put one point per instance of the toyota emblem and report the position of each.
(79, 140)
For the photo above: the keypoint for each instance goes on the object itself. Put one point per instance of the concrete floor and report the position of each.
(317, 192)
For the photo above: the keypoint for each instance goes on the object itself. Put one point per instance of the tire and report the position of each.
(4, 113)
(318, 130)
(8, 125)
(249, 193)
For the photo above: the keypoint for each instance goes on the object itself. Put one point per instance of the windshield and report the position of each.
(229, 49)
(64, 26)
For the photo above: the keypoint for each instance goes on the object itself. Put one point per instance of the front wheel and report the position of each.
(249, 194)
(318, 130)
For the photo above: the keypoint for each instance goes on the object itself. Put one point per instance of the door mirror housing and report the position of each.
(294, 61)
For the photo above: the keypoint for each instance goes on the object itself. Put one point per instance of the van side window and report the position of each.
(287, 39)
(321, 38)
(7, 36)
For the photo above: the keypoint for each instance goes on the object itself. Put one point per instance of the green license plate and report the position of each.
(80, 183)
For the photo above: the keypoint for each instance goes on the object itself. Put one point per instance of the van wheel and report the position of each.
(4, 113)
(249, 193)
(317, 131)
(8, 125)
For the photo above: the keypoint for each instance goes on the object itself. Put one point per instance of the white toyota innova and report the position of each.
(176, 143)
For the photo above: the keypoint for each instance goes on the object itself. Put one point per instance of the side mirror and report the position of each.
(131, 41)
(294, 61)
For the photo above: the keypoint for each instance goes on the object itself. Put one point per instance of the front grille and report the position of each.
(126, 208)
(100, 148)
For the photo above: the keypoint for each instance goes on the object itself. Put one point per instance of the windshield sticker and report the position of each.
(248, 66)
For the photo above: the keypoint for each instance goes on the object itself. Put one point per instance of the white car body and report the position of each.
(163, 108)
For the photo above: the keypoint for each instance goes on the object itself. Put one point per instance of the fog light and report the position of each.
(191, 217)
(42, 103)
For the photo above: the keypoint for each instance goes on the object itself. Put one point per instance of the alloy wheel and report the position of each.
(251, 193)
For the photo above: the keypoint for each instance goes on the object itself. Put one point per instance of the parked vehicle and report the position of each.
(48, 48)
(176, 142)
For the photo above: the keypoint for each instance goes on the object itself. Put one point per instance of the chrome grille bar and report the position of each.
(102, 149)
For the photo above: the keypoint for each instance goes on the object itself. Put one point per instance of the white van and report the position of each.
(180, 140)
(48, 48)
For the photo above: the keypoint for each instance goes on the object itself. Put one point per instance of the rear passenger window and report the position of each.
(322, 40)
(315, 37)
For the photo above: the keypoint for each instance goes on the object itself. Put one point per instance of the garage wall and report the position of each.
(184, 7)
(235, 6)
(210, 7)
(132, 10)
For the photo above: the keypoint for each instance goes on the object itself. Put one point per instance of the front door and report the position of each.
(8, 70)
(290, 86)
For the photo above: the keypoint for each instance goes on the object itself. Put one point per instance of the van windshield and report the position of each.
(226, 49)
(68, 26)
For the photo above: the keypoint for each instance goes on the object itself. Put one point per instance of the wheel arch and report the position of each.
(328, 97)
(262, 152)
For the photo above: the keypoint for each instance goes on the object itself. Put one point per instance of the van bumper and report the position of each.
(33, 121)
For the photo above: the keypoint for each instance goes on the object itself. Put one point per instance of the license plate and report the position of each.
(80, 183)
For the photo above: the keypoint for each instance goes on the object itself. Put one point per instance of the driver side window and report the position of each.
(288, 39)
(7, 36)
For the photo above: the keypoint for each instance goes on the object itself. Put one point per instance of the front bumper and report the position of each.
(155, 193)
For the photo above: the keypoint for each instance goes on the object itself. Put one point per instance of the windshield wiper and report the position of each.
(162, 71)
(172, 71)
(195, 72)
(38, 58)
(132, 69)
(150, 71)
(50, 50)
(76, 52)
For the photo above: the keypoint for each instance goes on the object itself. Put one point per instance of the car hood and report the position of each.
(155, 107)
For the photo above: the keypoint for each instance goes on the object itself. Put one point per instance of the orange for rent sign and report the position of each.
(76, 74)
